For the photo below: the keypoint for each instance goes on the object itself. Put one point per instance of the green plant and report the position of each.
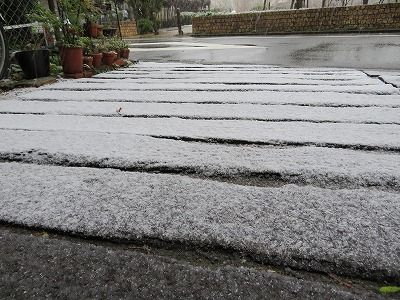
(124, 45)
(73, 14)
(145, 26)
(389, 289)
(44, 16)
(156, 25)
(115, 44)
(55, 69)
(87, 44)
(146, 9)
(102, 46)
(46, 19)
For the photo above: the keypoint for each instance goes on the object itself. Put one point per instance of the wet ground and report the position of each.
(361, 51)
(47, 265)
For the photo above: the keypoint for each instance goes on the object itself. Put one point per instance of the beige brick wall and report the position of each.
(128, 29)
(383, 17)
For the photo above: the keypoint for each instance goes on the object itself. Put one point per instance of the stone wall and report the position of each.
(128, 29)
(364, 18)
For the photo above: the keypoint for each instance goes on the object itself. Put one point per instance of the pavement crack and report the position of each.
(240, 142)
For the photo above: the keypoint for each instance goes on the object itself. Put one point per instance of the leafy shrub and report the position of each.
(145, 26)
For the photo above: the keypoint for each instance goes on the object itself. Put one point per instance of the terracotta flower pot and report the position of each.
(124, 53)
(109, 58)
(97, 59)
(100, 31)
(88, 60)
(93, 30)
(72, 61)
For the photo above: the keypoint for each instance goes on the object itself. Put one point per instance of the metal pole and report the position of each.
(119, 25)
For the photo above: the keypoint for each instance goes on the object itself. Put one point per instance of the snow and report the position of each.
(345, 135)
(250, 80)
(208, 111)
(312, 165)
(252, 97)
(247, 133)
(391, 77)
(223, 78)
(351, 231)
(375, 89)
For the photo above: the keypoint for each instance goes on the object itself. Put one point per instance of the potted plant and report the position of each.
(34, 59)
(88, 46)
(109, 55)
(124, 49)
(92, 16)
(97, 54)
(35, 63)
(73, 14)
(120, 47)
(71, 52)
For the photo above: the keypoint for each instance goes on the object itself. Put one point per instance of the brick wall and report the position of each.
(383, 17)
(128, 29)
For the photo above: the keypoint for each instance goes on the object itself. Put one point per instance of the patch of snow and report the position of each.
(336, 134)
(316, 229)
(309, 165)
(254, 97)
(208, 111)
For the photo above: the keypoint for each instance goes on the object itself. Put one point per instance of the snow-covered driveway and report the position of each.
(296, 167)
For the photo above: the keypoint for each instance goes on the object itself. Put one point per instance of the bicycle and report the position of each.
(4, 54)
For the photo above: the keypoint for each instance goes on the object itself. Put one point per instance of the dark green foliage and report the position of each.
(146, 9)
(145, 26)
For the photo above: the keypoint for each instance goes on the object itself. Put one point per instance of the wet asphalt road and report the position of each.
(38, 265)
(360, 51)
